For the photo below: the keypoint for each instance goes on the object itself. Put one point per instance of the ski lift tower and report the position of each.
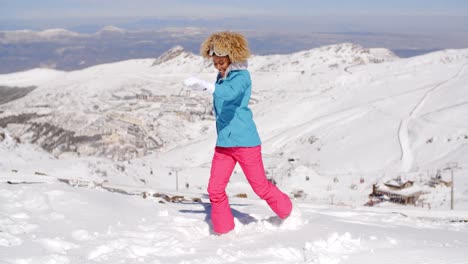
(292, 163)
(176, 171)
(451, 166)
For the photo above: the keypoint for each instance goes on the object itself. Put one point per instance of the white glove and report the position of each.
(199, 85)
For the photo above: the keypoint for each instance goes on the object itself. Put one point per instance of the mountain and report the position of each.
(65, 50)
(18, 36)
(109, 31)
(339, 111)
(110, 164)
(131, 108)
(90, 45)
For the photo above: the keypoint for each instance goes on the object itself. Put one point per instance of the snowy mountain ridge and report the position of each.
(32, 36)
(78, 88)
(332, 56)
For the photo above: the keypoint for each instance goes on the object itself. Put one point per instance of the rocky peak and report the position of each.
(169, 55)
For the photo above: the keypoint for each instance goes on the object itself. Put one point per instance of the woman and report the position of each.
(238, 139)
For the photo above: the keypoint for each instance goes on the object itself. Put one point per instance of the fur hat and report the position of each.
(225, 43)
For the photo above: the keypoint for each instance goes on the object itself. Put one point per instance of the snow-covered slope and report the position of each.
(333, 121)
(30, 78)
(337, 112)
(49, 222)
(131, 108)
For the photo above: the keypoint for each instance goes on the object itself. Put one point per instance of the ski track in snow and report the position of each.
(56, 223)
(407, 156)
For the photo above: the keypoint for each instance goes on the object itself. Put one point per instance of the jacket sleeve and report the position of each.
(231, 89)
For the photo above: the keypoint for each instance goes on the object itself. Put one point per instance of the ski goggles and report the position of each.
(213, 51)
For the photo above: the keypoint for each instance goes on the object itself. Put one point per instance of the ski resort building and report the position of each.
(396, 191)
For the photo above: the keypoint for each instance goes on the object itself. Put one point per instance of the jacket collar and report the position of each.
(238, 66)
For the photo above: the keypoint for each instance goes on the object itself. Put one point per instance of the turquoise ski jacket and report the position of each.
(234, 119)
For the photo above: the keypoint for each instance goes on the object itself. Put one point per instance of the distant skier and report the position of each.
(238, 139)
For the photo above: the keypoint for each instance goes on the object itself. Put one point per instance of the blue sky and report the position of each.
(61, 9)
(430, 17)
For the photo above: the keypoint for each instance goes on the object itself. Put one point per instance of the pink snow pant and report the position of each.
(250, 160)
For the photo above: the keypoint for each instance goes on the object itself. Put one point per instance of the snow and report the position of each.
(32, 36)
(57, 33)
(110, 29)
(30, 78)
(55, 223)
(333, 121)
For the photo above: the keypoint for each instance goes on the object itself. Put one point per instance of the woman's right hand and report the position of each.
(197, 84)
